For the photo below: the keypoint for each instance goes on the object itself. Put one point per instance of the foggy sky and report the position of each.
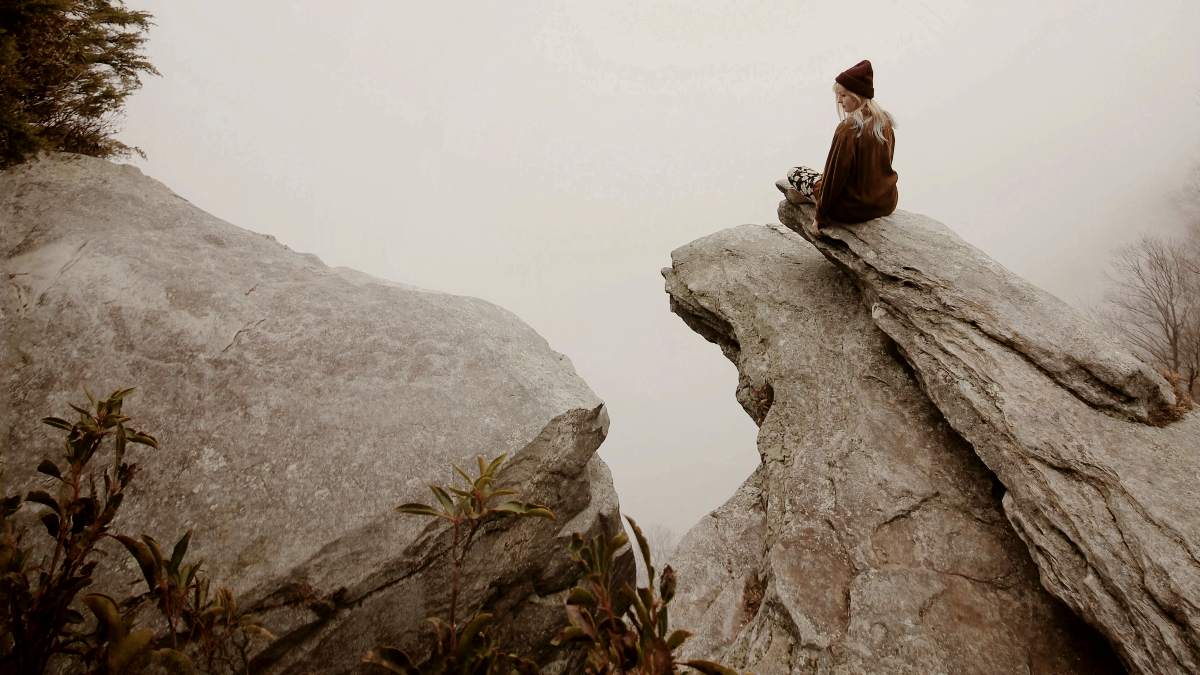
(548, 157)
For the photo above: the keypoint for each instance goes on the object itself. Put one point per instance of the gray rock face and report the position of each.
(296, 406)
(1106, 505)
(871, 538)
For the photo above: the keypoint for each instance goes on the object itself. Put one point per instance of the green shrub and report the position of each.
(467, 646)
(38, 609)
(621, 629)
(624, 629)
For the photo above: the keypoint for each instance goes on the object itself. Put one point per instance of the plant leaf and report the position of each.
(141, 438)
(50, 469)
(580, 596)
(466, 477)
(644, 547)
(179, 551)
(42, 497)
(51, 522)
(174, 660)
(569, 634)
(524, 509)
(124, 651)
(446, 501)
(155, 551)
(394, 660)
(110, 508)
(418, 509)
(58, 422)
(471, 633)
(145, 560)
(619, 541)
(666, 587)
(495, 464)
(108, 616)
(710, 668)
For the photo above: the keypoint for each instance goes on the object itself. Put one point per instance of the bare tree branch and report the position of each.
(1154, 303)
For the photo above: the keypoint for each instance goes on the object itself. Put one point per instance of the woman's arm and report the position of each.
(837, 171)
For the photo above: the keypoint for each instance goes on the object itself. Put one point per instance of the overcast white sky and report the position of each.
(548, 156)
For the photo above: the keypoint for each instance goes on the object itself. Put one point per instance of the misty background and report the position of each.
(548, 157)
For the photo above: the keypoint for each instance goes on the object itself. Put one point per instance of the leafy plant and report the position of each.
(37, 596)
(636, 639)
(464, 647)
(220, 634)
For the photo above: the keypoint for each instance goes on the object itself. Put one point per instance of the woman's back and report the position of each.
(858, 182)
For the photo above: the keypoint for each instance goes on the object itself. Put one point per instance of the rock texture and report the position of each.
(1105, 504)
(296, 405)
(871, 539)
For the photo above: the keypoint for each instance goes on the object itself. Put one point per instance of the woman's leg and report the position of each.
(802, 179)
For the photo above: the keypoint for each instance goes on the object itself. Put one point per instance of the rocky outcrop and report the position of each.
(296, 406)
(871, 539)
(1105, 503)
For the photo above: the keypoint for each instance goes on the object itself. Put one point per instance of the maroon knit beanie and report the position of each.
(859, 79)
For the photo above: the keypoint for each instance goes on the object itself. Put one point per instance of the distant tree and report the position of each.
(1187, 198)
(66, 67)
(662, 540)
(1155, 304)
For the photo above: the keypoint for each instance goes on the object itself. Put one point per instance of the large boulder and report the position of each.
(871, 539)
(296, 406)
(1067, 420)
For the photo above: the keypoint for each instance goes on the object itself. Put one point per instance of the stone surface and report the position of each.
(1106, 506)
(871, 538)
(296, 405)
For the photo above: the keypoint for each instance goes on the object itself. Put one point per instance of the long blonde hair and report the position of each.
(868, 111)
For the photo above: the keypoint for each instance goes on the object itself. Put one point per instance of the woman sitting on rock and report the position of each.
(858, 183)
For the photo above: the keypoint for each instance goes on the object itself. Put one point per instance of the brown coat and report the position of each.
(858, 183)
